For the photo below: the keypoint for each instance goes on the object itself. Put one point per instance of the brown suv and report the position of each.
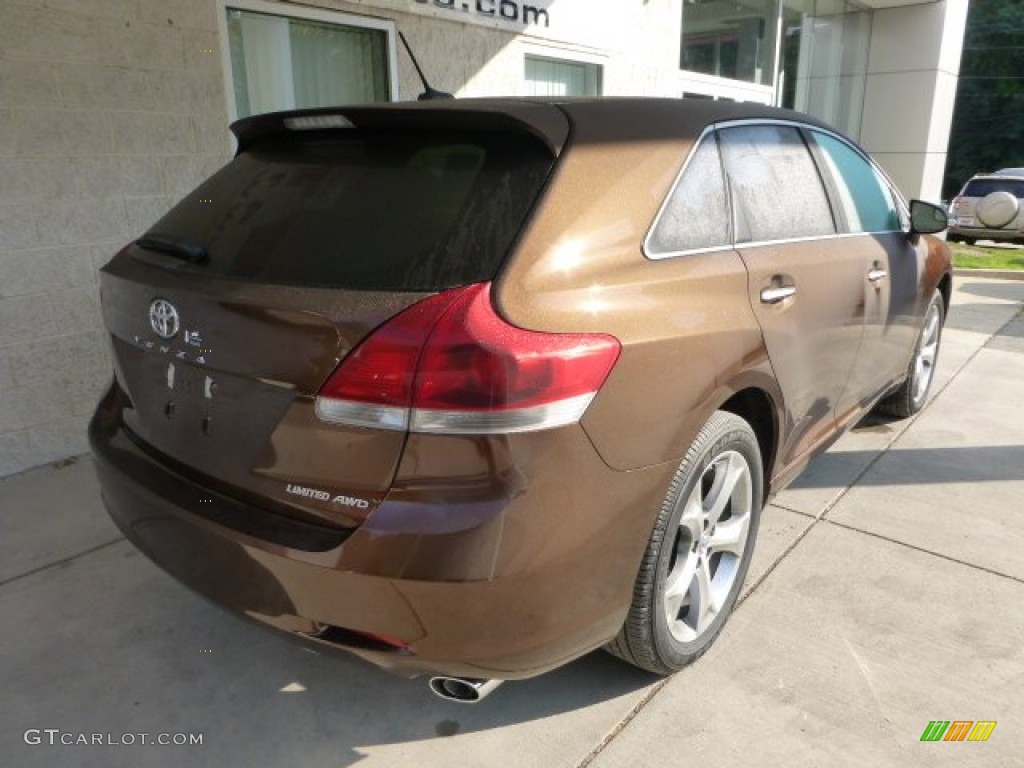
(472, 388)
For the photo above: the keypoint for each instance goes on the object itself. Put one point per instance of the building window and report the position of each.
(557, 77)
(306, 59)
(729, 39)
(824, 60)
(818, 64)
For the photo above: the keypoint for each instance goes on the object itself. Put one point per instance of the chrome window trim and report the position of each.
(836, 236)
(898, 198)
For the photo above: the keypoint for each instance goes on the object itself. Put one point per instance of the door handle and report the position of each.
(777, 293)
(875, 274)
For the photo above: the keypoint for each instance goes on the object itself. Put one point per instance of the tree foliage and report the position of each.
(988, 121)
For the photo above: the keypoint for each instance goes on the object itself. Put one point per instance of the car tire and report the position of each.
(913, 392)
(699, 551)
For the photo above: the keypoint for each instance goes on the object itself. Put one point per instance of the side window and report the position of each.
(695, 215)
(865, 197)
(775, 183)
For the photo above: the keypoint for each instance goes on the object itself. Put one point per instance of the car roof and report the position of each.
(552, 120)
(634, 119)
(997, 177)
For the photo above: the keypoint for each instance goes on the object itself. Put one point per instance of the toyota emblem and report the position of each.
(164, 318)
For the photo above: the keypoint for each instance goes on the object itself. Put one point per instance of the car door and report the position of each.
(869, 216)
(805, 288)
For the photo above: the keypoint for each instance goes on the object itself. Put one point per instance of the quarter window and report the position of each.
(865, 197)
(696, 215)
(777, 192)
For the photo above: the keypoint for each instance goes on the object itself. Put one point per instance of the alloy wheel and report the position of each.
(710, 541)
(927, 352)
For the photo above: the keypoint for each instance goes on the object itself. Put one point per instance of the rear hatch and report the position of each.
(228, 316)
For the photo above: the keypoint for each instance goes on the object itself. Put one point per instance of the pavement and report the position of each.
(887, 591)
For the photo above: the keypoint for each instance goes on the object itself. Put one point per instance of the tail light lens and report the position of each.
(450, 364)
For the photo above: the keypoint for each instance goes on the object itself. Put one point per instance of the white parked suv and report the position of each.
(989, 207)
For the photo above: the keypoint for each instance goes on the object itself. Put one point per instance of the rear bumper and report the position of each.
(560, 559)
(982, 233)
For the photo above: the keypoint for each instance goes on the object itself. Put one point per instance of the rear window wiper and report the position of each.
(179, 247)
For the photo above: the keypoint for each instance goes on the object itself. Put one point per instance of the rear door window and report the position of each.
(776, 188)
(365, 210)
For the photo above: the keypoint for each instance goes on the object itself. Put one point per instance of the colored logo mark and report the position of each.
(958, 730)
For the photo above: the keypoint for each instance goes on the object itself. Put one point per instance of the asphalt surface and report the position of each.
(887, 591)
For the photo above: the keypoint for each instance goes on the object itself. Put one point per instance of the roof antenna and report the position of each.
(429, 93)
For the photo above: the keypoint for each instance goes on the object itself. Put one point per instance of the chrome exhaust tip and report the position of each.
(463, 690)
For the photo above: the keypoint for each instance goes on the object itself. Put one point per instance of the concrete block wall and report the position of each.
(110, 110)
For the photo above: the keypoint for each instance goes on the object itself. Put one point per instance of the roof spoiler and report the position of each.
(544, 121)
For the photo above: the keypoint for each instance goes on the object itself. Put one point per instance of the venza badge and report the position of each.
(164, 318)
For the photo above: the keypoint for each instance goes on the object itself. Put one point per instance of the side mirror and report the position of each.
(927, 219)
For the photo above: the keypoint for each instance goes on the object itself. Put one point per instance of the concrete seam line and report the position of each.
(60, 562)
(926, 551)
(789, 509)
(775, 563)
(621, 725)
(908, 423)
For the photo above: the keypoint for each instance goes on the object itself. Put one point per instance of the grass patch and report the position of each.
(980, 257)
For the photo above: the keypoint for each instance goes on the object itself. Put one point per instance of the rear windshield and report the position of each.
(982, 187)
(381, 210)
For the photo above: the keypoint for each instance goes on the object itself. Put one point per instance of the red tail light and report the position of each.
(451, 364)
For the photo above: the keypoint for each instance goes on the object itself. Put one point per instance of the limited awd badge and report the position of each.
(163, 318)
(314, 493)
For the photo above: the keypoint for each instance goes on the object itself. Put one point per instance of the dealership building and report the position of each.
(112, 110)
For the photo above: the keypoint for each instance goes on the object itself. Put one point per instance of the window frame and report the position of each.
(835, 203)
(304, 13)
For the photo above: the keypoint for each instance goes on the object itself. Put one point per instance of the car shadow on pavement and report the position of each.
(920, 466)
(109, 644)
(1007, 290)
(975, 318)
